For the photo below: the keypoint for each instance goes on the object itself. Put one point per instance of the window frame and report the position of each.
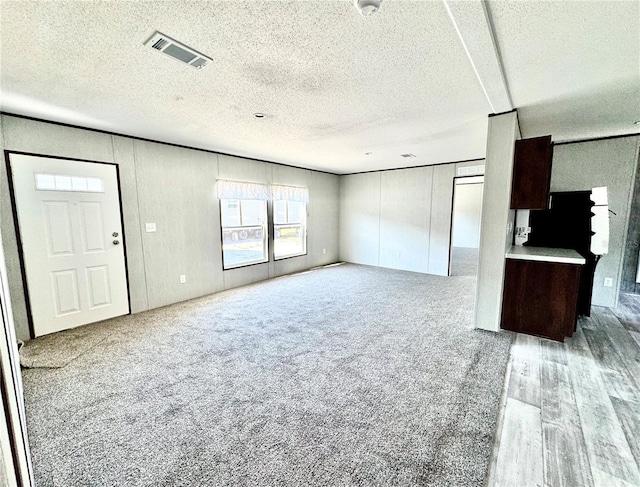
(265, 233)
(304, 225)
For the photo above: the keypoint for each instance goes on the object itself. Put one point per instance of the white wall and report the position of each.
(400, 219)
(467, 213)
(175, 188)
(611, 163)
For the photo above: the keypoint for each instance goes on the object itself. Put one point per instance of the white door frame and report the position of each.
(19, 237)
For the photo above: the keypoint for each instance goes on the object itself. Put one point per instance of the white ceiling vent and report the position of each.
(180, 52)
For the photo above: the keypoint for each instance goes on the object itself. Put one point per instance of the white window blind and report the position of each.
(290, 193)
(240, 190)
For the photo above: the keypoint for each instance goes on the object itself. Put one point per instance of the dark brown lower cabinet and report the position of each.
(540, 298)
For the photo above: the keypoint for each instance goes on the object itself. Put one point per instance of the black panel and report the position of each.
(567, 225)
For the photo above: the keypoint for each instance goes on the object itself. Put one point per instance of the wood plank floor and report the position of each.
(571, 412)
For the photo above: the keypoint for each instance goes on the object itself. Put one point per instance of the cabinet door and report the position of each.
(531, 173)
(540, 298)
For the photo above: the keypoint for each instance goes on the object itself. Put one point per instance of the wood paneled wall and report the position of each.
(173, 187)
(400, 219)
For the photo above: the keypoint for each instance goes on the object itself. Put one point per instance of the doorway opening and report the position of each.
(465, 225)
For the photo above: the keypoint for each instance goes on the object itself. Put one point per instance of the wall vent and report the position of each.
(177, 51)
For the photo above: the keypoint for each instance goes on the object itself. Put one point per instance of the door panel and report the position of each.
(68, 213)
(58, 227)
(92, 226)
(65, 292)
(98, 292)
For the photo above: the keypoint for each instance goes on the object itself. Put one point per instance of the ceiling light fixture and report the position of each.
(637, 122)
(367, 7)
(408, 155)
(259, 115)
(368, 153)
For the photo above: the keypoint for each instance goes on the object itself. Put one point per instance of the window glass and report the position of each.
(45, 182)
(279, 211)
(95, 185)
(62, 182)
(230, 212)
(289, 228)
(294, 211)
(252, 212)
(78, 184)
(244, 236)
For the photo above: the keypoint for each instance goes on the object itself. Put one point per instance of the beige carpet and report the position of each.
(346, 376)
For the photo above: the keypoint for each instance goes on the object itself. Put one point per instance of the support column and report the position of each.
(496, 233)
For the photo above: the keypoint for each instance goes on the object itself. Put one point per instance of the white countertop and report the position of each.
(545, 254)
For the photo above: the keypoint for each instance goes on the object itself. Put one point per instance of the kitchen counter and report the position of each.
(545, 254)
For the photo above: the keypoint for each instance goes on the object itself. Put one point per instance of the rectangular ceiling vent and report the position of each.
(178, 51)
(408, 155)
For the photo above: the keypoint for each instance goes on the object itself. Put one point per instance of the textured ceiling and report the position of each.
(334, 85)
(573, 68)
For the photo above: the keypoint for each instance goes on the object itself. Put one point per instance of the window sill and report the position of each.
(289, 257)
(232, 268)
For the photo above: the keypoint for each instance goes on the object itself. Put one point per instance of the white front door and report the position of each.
(71, 233)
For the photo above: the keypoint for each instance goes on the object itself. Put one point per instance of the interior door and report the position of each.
(71, 233)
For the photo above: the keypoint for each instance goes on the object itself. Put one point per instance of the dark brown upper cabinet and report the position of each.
(531, 173)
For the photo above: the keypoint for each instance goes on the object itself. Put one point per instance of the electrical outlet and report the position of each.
(608, 282)
(324, 251)
(183, 278)
(150, 227)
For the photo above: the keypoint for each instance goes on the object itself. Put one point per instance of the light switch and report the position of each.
(150, 227)
(608, 282)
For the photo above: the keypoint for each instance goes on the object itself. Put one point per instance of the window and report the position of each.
(243, 218)
(244, 233)
(289, 228)
(61, 182)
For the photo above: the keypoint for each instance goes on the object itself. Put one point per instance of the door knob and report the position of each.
(116, 242)
(114, 234)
